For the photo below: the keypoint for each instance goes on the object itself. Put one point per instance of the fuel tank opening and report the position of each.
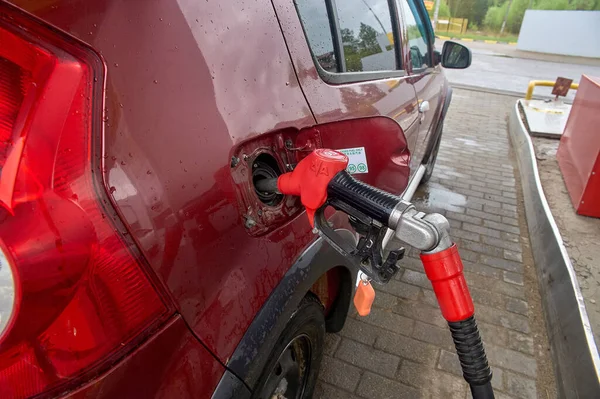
(264, 170)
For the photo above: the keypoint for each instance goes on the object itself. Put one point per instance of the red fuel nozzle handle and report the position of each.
(310, 179)
(321, 176)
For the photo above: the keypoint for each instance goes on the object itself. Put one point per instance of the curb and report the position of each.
(474, 40)
(516, 94)
(574, 351)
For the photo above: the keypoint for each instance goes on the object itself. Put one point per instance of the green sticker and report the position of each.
(351, 168)
(362, 167)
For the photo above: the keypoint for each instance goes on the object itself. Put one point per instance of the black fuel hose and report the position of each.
(371, 201)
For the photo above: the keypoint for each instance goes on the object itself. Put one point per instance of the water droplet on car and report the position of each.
(113, 158)
(112, 189)
(123, 163)
(75, 197)
(116, 65)
(148, 172)
(155, 81)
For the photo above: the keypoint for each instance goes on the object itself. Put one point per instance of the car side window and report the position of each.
(350, 35)
(416, 35)
(313, 14)
(367, 37)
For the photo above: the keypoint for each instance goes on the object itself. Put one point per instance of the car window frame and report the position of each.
(343, 77)
(424, 16)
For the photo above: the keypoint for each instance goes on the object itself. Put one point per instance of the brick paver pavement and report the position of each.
(403, 348)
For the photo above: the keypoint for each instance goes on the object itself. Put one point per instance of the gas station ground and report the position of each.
(403, 349)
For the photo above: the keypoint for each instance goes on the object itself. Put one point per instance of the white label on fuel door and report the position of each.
(358, 160)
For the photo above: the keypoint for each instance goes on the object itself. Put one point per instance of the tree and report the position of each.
(351, 49)
(462, 8)
(444, 11)
(567, 5)
(552, 5)
(368, 40)
(494, 17)
(516, 14)
(480, 7)
(348, 38)
(585, 5)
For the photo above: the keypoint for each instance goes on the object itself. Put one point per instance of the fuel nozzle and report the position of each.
(267, 185)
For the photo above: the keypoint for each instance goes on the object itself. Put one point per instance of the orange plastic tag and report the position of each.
(364, 297)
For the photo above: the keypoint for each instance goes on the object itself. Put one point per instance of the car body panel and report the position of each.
(171, 364)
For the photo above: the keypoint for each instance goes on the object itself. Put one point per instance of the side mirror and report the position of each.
(455, 56)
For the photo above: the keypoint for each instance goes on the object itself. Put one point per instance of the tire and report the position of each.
(300, 345)
(432, 157)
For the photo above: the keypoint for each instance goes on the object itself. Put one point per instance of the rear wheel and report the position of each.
(432, 158)
(293, 366)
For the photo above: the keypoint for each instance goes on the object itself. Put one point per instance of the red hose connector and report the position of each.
(445, 271)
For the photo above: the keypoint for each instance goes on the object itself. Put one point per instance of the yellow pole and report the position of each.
(545, 83)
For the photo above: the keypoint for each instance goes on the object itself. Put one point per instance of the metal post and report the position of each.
(435, 13)
(505, 16)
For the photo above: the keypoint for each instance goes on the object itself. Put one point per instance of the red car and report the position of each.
(137, 259)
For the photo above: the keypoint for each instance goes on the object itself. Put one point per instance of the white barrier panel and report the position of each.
(574, 33)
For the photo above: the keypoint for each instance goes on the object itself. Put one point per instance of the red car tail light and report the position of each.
(75, 294)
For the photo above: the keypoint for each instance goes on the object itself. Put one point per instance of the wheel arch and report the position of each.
(253, 350)
(334, 289)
